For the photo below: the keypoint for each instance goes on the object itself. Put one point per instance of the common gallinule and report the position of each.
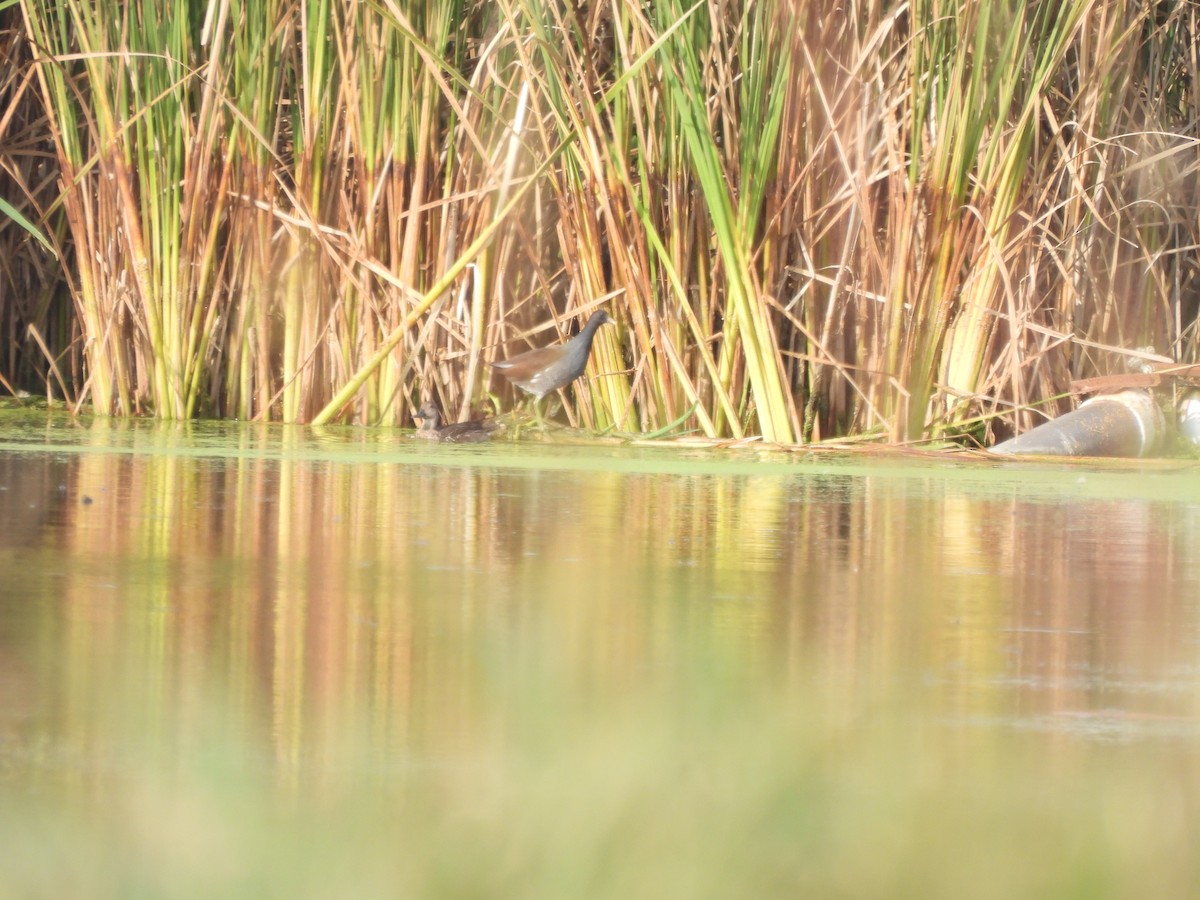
(547, 369)
(458, 433)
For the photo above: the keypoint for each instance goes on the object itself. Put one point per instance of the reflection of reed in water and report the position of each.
(33, 494)
(322, 591)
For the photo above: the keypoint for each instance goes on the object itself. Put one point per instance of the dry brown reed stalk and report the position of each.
(1101, 253)
(977, 203)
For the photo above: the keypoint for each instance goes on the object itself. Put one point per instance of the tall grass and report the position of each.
(892, 219)
(30, 252)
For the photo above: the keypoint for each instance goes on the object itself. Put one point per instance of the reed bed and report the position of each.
(894, 220)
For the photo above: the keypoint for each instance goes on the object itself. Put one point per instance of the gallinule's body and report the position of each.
(546, 369)
(459, 433)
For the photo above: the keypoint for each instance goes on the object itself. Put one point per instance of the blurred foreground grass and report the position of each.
(701, 783)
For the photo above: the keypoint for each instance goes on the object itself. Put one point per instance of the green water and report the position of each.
(251, 661)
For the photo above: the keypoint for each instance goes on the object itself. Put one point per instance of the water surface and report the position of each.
(461, 634)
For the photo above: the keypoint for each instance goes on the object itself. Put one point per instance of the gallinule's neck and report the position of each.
(588, 331)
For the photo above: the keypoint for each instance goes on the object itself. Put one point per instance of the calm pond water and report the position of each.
(346, 663)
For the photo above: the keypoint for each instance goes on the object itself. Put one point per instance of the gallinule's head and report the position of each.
(461, 432)
(428, 419)
(547, 369)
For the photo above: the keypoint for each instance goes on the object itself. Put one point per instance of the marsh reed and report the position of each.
(899, 221)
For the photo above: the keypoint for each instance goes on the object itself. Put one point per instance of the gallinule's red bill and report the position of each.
(459, 433)
(547, 369)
